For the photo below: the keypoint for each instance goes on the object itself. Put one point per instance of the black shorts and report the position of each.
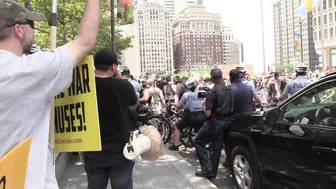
(194, 119)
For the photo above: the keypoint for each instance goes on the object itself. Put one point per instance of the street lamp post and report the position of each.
(301, 45)
(53, 40)
(263, 33)
(112, 26)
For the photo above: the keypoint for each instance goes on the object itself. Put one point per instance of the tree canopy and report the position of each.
(68, 19)
(285, 68)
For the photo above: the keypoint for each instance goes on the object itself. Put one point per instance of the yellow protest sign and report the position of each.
(13, 166)
(76, 112)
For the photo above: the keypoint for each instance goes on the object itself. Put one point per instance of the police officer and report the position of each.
(217, 108)
(126, 74)
(249, 83)
(193, 107)
(296, 84)
(242, 94)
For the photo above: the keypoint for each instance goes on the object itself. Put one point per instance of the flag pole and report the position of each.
(263, 34)
(53, 39)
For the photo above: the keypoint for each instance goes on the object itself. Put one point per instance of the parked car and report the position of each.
(292, 145)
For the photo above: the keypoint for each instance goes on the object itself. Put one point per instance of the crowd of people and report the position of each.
(210, 113)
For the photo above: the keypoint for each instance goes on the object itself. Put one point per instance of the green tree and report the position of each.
(68, 17)
(282, 68)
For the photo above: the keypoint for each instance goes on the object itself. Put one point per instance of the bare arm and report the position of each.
(176, 98)
(145, 96)
(162, 98)
(88, 31)
(257, 98)
(206, 112)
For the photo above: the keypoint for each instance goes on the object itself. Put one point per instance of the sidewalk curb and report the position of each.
(188, 171)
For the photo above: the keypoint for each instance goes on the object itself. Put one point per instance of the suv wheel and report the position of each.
(244, 167)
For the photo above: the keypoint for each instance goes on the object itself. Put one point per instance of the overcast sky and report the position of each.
(244, 16)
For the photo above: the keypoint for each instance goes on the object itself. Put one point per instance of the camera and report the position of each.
(202, 92)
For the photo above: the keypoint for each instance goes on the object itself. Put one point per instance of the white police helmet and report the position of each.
(301, 68)
(191, 82)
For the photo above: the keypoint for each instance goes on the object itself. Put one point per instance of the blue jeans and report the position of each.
(212, 131)
(100, 167)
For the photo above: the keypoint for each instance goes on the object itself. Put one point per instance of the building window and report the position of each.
(325, 19)
(319, 21)
(320, 35)
(330, 3)
(331, 32)
(325, 34)
(324, 4)
(330, 17)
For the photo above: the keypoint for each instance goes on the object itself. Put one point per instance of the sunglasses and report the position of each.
(26, 22)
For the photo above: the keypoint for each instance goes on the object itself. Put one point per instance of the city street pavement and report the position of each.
(170, 171)
(224, 177)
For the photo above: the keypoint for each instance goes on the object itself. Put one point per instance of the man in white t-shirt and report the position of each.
(29, 83)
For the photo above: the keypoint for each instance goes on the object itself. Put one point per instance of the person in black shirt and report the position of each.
(217, 108)
(114, 96)
(242, 94)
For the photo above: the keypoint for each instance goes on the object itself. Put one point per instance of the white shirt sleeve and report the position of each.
(49, 72)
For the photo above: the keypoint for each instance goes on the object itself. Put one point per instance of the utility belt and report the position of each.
(220, 118)
(187, 112)
(195, 110)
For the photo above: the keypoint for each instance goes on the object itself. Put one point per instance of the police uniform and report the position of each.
(193, 105)
(250, 84)
(296, 84)
(219, 100)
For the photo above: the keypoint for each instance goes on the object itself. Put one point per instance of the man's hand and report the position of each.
(81, 157)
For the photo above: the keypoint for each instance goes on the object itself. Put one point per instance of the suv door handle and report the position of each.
(323, 149)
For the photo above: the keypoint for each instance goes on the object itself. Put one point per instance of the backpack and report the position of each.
(156, 106)
(169, 92)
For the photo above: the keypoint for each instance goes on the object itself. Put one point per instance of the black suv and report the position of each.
(292, 145)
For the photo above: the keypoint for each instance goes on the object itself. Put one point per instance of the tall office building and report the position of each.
(327, 10)
(232, 53)
(287, 25)
(197, 39)
(241, 53)
(132, 55)
(180, 5)
(169, 5)
(155, 38)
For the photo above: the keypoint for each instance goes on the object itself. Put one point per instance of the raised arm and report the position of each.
(88, 31)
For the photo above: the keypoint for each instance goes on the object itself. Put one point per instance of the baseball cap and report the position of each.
(216, 72)
(126, 70)
(12, 12)
(105, 57)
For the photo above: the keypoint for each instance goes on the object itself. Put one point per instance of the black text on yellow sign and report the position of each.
(66, 115)
(76, 112)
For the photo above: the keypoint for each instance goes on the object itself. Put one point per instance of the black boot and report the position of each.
(207, 174)
(173, 147)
